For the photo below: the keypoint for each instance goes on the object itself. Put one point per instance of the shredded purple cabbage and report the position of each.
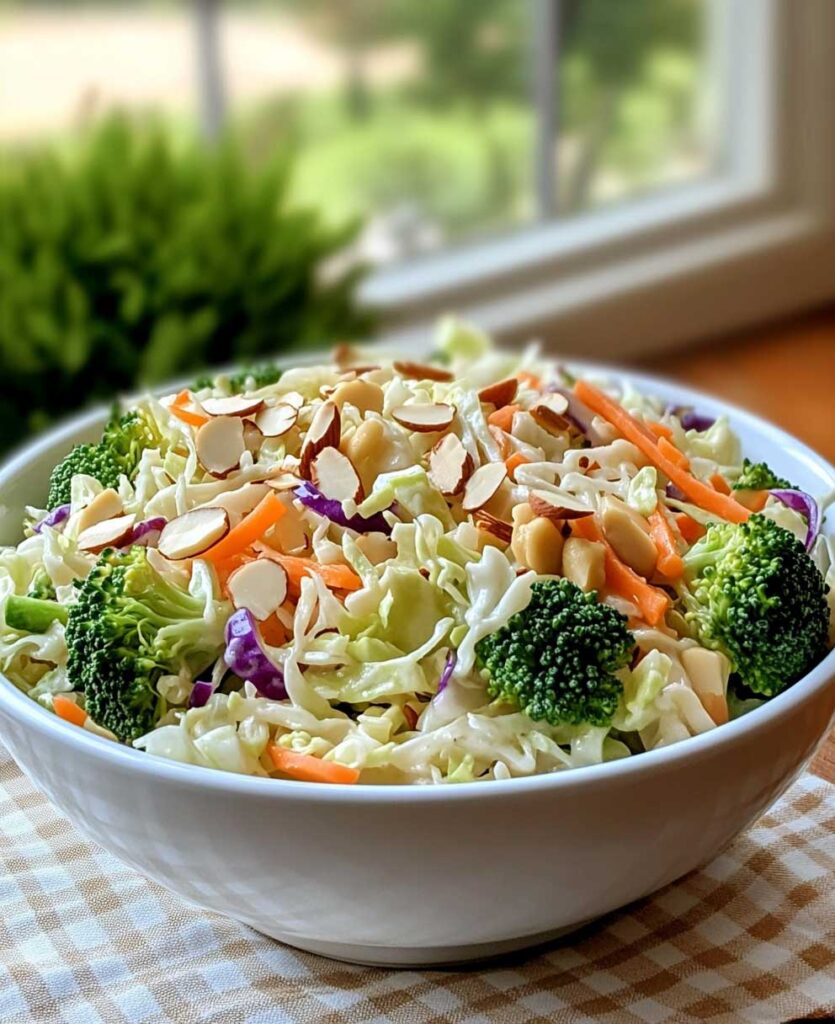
(200, 693)
(675, 492)
(449, 668)
(690, 418)
(146, 533)
(578, 414)
(246, 657)
(806, 505)
(310, 496)
(53, 518)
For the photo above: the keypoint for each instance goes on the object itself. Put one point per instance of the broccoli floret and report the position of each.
(254, 377)
(752, 592)
(556, 659)
(127, 437)
(91, 459)
(757, 476)
(42, 586)
(249, 378)
(32, 614)
(128, 627)
(124, 440)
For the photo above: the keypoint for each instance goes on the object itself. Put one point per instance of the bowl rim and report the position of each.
(17, 706)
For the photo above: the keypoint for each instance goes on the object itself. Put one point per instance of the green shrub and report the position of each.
(130, 258)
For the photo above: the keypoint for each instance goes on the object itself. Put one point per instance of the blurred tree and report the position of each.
(354, 27)
(474, 52)
(608, 47)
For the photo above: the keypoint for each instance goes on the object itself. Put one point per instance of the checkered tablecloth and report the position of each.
(85, 940)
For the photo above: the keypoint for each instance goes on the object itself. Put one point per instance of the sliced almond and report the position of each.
(557, 506)
(421, 371)
(253, 437)
(497, 527)
(323, 432)
(235, 405)
(358, 371)
(220, 444)
(259, 586)
(335, 476)
(106, 505)
(106, 534)
(289, 464)
(450, 464)
(555, 401)
(240, 501)
(424, 418)
(275, 420)
(284, 482)
(292, 398)
(553, 422)
(501, 393)
(483, 485)
(193, 532)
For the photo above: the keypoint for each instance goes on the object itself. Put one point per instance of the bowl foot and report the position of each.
(422, 956)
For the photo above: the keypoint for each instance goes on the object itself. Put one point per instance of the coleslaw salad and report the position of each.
(353, 572)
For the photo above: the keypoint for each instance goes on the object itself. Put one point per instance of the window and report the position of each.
(445, 123)
(613, 175)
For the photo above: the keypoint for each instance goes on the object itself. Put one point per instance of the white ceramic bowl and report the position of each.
(423, 875)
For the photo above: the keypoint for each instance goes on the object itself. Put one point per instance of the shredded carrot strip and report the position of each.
(251, 528)
(335, 575)
(699, 493)
(309, 768)
(194, 419)
(720, 484)
(669, 450)
(225, 569)
(620, 579)
(660, 429)
(530, 379)
(688, 527)
(273, 631)
(503, 418)
(753, 500)
(513, 463)
(66, 708)
(669, 560)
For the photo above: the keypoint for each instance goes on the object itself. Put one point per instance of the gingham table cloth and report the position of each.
(86, 940)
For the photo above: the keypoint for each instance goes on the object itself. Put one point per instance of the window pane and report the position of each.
(413, 114)
(437, 122)
(635, 99)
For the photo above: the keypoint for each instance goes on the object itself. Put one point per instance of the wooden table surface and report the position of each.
(784, 373)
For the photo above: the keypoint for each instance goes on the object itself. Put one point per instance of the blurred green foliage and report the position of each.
(128, 257)
(404, 153)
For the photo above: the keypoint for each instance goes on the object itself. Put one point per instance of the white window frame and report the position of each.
(753, 241)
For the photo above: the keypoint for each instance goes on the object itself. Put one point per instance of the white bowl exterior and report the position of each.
(418, 874)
